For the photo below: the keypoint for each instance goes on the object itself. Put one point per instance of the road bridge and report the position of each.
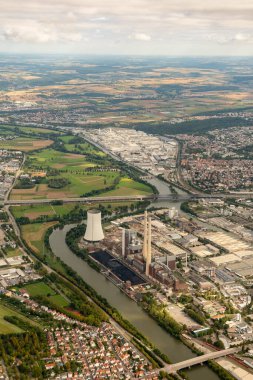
(172, 368)
(12, 202)
(125, 198)
(120, 198)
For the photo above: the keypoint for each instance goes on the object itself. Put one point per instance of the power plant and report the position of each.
(132, 252)
(94, 231)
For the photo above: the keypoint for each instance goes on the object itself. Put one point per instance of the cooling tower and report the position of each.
(94, 231)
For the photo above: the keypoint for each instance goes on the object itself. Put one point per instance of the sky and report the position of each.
(131, 27)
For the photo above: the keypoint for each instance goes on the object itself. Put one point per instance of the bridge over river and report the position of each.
(124, 198)
(172, 368)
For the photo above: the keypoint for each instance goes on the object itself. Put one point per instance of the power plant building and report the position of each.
(94, 231)
(130, 243)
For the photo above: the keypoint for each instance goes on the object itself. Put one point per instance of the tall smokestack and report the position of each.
(123, 242)
(148, 261)
(144, 248)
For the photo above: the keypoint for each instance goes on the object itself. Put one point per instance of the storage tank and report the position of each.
(94, 231)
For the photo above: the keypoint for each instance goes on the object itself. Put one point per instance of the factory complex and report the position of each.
(156, 155)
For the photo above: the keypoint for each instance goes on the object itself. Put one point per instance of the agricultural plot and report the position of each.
(7, 327)
(75, 144)
(34, 234)
(127, 186)
(70, 168)
(34, 211)
(25, 144)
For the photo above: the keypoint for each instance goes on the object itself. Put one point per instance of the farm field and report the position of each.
(127, 186)
(79, 184)
(72, 144)
(25, 144)
(70, 167)
(7, 327)
(35, 130)
(34, 211)
(34, 234)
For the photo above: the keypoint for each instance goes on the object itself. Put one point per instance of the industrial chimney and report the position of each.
(148, 260)
(94, 231)
(144, 249)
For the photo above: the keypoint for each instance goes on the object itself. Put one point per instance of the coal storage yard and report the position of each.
(117, 268)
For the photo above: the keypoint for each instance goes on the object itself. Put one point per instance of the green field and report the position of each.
(59, 300)
(39, 289)
(16, 129)
(80, 147)
(34, 130)
(34, 211)
(128, 186)
(24, 144)
(34, 234)
(42, 289)
(12, 252)
(72, 167)
(7, 327)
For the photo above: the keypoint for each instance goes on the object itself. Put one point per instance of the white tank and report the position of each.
(94, 231)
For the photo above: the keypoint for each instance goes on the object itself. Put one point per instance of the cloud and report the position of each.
(230, 38)
(140, 37)
(157, 24)
(242, 37)
(97, 19)
(34, 32)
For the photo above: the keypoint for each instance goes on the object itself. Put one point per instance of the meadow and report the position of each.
(42, 289)
(34, 235)
(7, 327)
(34, 211)
(72, 168)
(75, 144)
(25, 144)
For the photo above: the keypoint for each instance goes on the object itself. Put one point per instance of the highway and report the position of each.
(11, 202)
(125, 198)
(119, 198)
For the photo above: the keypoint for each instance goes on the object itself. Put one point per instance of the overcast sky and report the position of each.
(168, 27)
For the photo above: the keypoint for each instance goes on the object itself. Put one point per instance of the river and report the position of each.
(172, 347)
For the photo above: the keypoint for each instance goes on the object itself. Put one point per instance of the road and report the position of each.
(125, 198)
(152, 197)
(17, 174)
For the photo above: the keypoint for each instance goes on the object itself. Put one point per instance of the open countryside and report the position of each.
(52, 174)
